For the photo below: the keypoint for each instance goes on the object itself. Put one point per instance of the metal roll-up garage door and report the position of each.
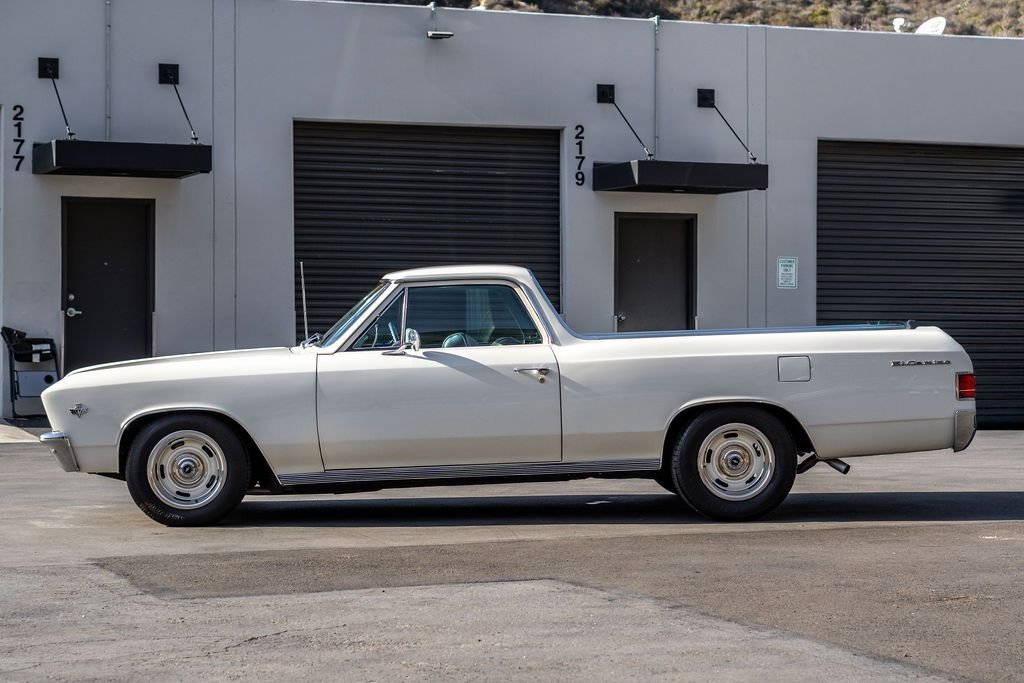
(932, 233)
(373, 198)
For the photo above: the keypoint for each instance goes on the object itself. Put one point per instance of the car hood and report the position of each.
(236, 355)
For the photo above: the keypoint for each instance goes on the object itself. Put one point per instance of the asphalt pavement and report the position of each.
(910, 567)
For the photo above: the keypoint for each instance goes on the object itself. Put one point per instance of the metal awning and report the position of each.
(649, 175)
(123, 159)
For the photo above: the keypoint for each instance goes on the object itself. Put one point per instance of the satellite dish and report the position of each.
(898, 23)
(933, 27)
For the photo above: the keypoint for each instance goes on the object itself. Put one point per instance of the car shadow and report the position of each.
(591, 509)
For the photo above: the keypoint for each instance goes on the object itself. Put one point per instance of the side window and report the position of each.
(451, 316)
(385, 331)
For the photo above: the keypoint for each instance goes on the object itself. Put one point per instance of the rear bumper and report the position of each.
(60, 446)
(964, 427)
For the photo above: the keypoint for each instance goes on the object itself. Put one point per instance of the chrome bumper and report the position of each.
(60, 446)
(964, 426)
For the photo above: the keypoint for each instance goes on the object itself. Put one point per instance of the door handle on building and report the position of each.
(72, 312)
(538, 373)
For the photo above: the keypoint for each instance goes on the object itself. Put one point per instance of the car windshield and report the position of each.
(343, 325)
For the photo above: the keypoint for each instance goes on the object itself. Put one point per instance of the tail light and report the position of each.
(965, 387)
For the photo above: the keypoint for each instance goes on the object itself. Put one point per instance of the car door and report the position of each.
(483, 388)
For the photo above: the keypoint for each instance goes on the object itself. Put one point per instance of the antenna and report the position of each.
(305, 319)
(933, 27)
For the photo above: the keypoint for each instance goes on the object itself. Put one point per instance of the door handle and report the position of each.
(72, 312)
(538, 373)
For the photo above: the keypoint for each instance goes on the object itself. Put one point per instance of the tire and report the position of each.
(187, 470)
(734, 463)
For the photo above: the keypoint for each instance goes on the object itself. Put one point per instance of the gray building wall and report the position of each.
(145, 33)
(224, 270)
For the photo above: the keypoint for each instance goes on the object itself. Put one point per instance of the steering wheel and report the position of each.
(506, 341)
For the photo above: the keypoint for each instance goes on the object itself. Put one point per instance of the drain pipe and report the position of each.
(106, 94)
(657, 29)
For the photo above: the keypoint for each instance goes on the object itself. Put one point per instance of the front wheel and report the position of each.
(734, 463)
(187, 470)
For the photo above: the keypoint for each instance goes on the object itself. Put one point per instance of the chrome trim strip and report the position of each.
(60, 446)
(468, 471)
(965, 426)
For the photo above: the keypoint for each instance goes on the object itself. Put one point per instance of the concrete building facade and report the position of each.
(223, 270)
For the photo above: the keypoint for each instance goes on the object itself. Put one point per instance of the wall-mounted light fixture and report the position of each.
(433, 33)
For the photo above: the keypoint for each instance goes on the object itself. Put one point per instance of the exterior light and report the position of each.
(433, 33)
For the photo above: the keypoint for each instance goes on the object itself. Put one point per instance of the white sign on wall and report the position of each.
(787, 272)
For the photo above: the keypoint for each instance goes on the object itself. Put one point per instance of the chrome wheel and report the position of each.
(736, 461)
(186, 469)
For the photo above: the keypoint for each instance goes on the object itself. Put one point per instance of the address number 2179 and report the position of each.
(581, 176)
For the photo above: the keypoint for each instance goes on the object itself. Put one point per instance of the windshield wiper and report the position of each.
(311, 340)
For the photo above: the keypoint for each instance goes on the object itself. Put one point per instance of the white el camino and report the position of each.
(469, 375)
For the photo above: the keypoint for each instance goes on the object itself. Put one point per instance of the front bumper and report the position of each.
(964, 427)
(60, 446)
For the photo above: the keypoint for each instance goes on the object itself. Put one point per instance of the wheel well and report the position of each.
(685, 417)
(261, 471)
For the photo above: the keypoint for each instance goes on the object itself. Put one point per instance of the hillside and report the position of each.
(966, 17)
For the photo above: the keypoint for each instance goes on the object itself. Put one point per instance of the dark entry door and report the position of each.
(107, 292)
(654, 272)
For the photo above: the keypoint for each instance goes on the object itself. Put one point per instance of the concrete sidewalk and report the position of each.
(10, 433)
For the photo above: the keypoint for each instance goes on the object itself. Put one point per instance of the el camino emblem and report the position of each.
(905, 363)
(78, 410)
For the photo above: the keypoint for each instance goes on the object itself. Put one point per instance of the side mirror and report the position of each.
(411, 343)
(412, 339)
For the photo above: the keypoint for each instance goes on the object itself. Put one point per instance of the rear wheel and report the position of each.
(734, 463)
(187, 470)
